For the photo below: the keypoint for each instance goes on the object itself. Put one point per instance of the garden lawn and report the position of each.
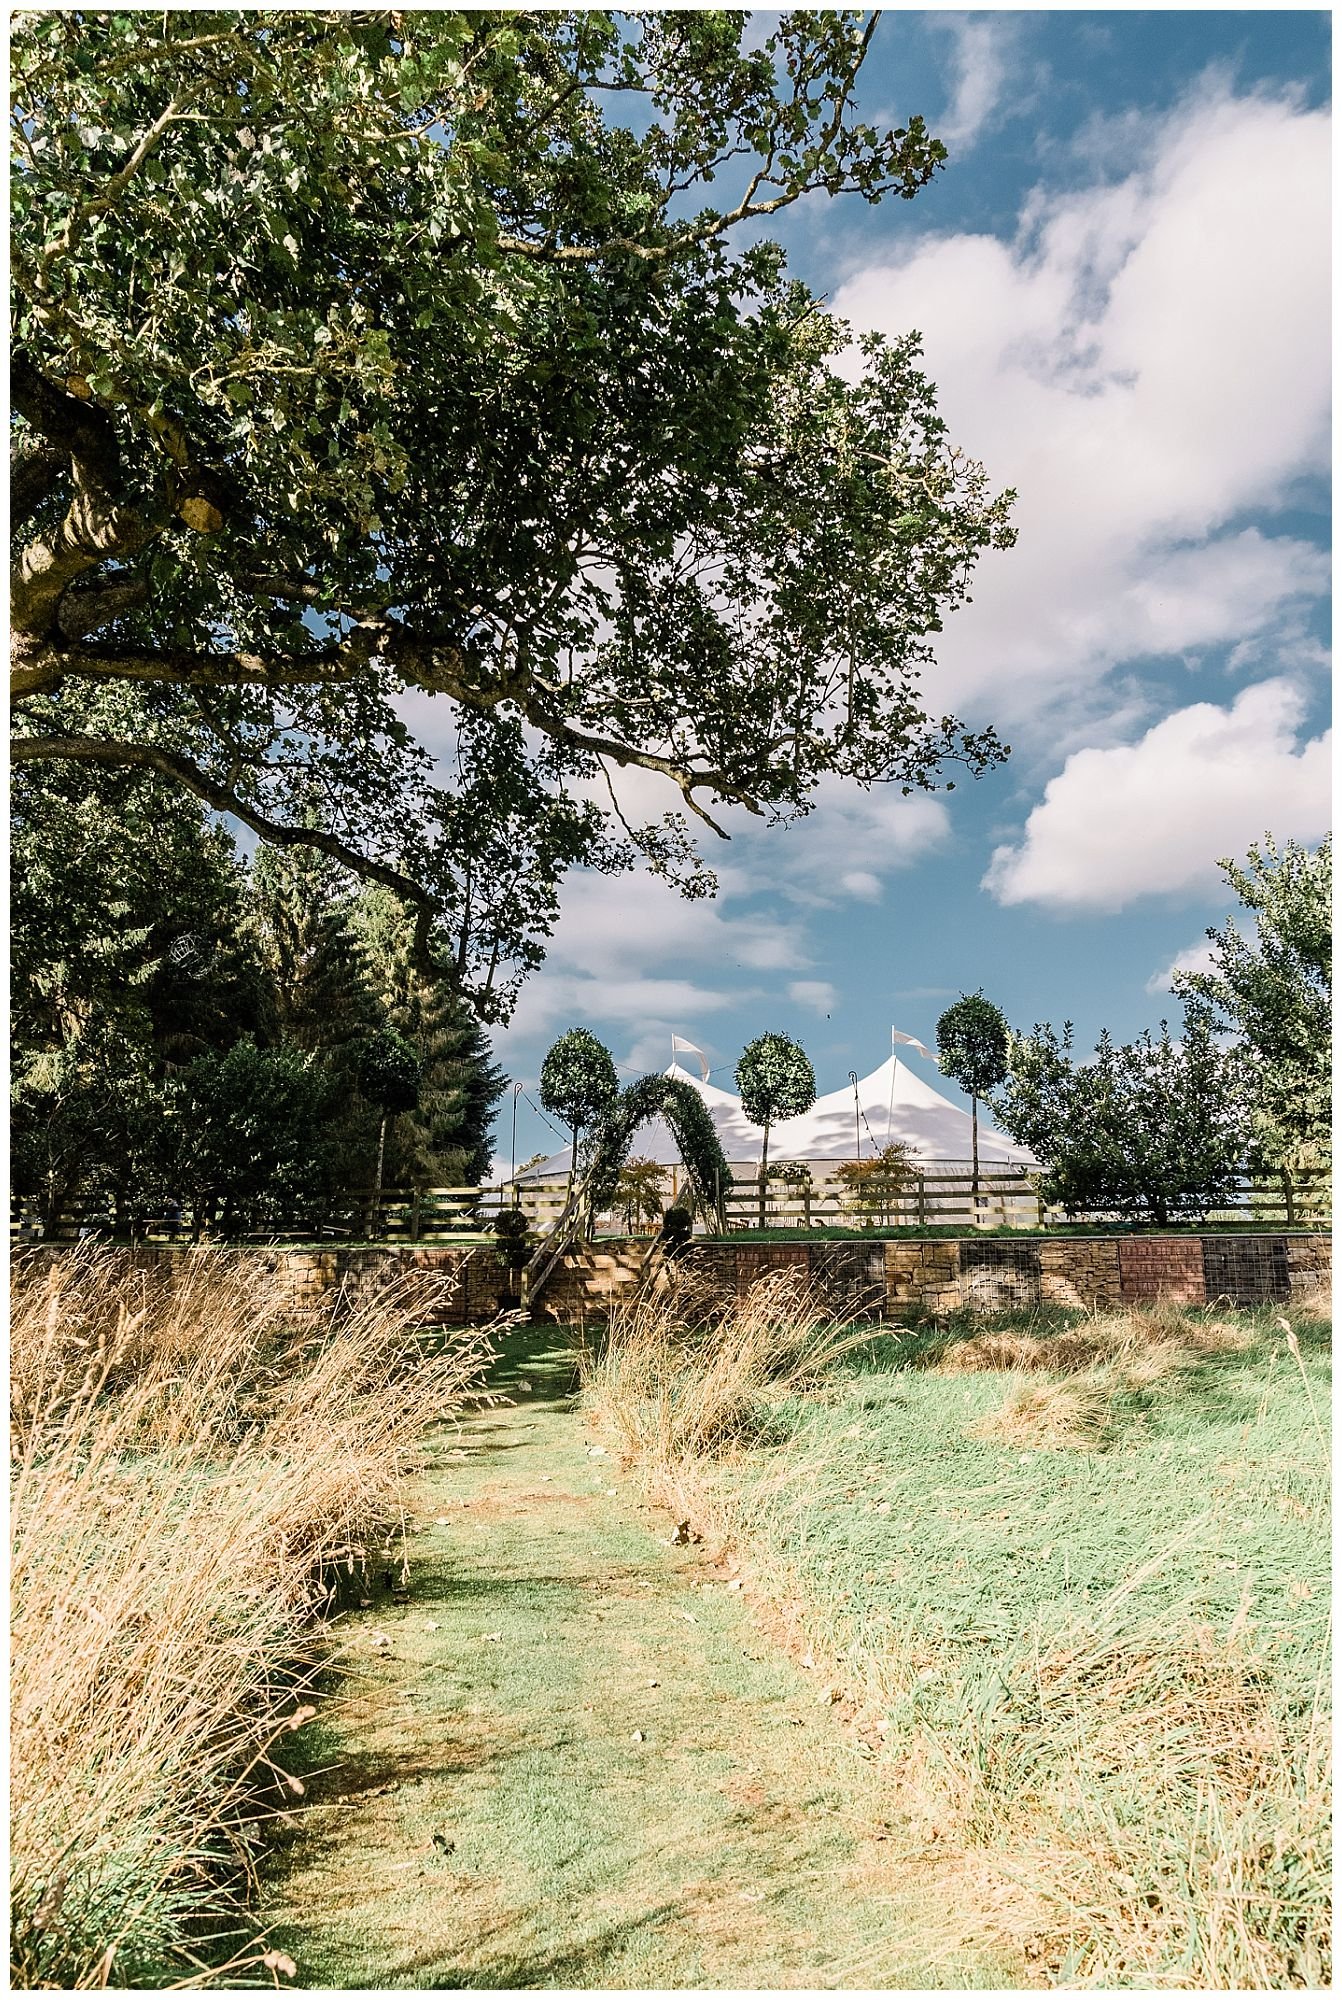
(1082, 1614)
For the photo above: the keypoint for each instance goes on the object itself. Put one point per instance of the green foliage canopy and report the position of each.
(187, 1030)
(578, 1080)
(972, 1038)
(1274, 990)
(379, 373)
(1154, 1129)
(972, 1041)
(775, 1079)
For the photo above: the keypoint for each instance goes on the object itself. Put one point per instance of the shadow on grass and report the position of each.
(584, 1963)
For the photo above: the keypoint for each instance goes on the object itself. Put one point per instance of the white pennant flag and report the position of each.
(913, 1042)
(680, 1047)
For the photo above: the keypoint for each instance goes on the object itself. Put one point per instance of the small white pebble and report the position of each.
(637, 1737)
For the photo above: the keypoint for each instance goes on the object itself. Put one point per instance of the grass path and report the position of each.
(577, 1762)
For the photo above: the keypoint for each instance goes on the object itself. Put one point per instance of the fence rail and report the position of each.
(445, 1215)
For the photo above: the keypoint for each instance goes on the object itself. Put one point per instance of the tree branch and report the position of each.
(53, 664)
(33, 477)
(84, 611)
(74, 425)
(113, 754)
(93, 530)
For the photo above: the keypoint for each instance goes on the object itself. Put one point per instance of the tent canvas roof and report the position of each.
(895, 1104)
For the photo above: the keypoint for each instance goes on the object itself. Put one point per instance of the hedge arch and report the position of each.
(695, 1134)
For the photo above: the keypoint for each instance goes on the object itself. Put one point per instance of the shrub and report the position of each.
(873, 1188)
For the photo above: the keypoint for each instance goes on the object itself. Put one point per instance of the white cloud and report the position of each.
(615, 926)
(1195, 958)
(815, 993)
(1147, 361)
(846, 846)
(644, 1005)
(981, 63)
(1151, 818)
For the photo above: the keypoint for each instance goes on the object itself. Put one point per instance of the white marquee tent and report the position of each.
(893, 1104)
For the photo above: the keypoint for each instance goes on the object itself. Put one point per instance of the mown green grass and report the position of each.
(1103, 1666)
(1224, 1470)
(575, 1764)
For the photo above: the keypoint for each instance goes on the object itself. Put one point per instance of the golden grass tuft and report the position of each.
(190, 1481)
(1094, 1368)
(686, 1373)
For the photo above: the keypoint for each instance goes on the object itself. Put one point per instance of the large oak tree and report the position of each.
(409, 416)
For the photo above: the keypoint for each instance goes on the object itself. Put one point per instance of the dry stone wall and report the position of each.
(446, 1285)
(435, 1285)
(901, 1277)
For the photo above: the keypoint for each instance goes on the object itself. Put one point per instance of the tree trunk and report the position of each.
(974, 1108)
(764, 1175)
(375, 1205)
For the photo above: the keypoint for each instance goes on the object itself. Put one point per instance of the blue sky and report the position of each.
(1121, 279)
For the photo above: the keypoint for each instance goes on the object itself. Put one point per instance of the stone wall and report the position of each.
(434, 1284)
(444, 1285)
(900, 1277)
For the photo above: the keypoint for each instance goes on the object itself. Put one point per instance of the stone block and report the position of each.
(1079, 1271)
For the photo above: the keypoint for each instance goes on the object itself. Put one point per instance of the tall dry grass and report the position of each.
(190, 1481)
(683, 1374)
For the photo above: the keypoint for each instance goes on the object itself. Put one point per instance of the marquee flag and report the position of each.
(913, 1042)
(680, 1047)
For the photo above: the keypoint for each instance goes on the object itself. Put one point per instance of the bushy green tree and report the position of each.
(300, 912)
(972, 1038)
(371, 363)
(247, 1126)
(639, 1193)
(1155, 1128)
(129, 957)
(776, 1080)
(578, 1083)
(1273, 990)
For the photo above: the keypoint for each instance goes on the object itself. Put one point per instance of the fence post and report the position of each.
(1289, 1192)
(414, 1216)
(922, 1201)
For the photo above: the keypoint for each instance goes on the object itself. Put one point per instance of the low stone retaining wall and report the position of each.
(895, 1279)
(454, 1285)
(441, 1284)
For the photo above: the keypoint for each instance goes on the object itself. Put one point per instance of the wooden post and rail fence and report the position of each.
(937, 1197)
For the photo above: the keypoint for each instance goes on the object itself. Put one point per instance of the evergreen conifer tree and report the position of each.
(446, 1139)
